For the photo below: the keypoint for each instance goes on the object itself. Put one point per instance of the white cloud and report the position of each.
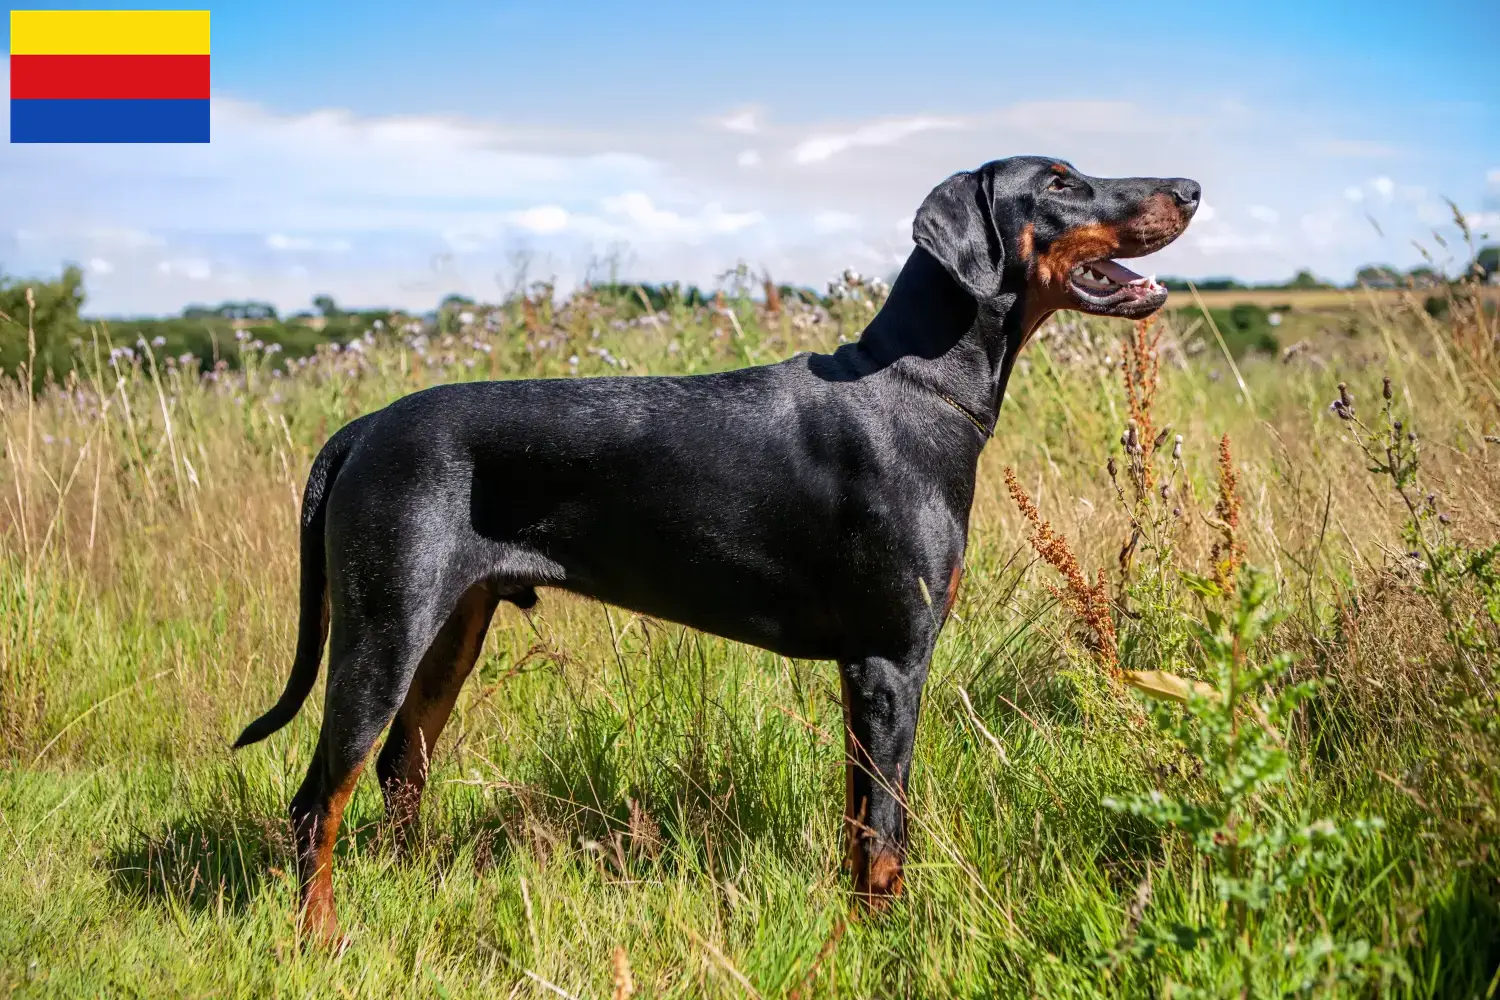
(543, 219)
(127, 239)
(98, 265)
(1480, 220)
(651, 222)
(1320, 226)
(315, 174)
(884, 133)
(1334, 226)
(746, 121)
(285, 243)
(834, 222)
(1219, 239)
(1260, 213)
(192, 268)
(482, 232)
(467, 240)
(393, 192)
(420, 206)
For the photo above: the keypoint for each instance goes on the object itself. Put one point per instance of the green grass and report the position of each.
(610, 782)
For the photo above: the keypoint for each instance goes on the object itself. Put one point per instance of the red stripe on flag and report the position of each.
(109, 77)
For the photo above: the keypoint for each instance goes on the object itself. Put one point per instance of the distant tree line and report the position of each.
(207, 334)
(1301, 281)
(1485, 266)
(213, 334)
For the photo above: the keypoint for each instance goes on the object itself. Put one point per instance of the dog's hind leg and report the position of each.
(881, 701)
(404, 760)
(367, 678)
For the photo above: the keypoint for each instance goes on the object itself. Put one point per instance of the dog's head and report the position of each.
(1036, 227)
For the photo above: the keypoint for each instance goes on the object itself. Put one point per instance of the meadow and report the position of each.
(1215, 715)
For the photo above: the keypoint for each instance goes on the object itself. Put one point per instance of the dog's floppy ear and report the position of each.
(956, 225)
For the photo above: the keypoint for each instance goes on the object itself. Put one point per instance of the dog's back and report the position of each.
(763, 504)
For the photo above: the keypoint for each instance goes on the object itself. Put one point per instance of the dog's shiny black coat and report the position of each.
(818, 507)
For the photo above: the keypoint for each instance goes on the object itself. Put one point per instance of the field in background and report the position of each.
(621, 806)
(1317, 298)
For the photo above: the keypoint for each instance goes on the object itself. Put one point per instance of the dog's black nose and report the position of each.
(1186, 192)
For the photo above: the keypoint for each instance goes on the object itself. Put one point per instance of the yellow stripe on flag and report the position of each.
(109, 33)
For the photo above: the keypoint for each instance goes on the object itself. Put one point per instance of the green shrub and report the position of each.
(1243, 826)
(52, 316)
(1246, 328)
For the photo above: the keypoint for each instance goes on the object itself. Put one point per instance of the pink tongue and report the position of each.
(1114, 272)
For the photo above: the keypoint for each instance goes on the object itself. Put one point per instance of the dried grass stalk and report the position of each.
(1228, 553)
(1089, 603)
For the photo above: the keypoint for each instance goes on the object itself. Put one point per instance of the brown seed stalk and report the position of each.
(1228, 553)
(1141, 370)
(1088, 602)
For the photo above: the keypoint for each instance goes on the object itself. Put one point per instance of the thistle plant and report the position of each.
(1240, 823)
(1462, 584)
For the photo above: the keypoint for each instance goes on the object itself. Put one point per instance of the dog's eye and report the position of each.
(1057, 184)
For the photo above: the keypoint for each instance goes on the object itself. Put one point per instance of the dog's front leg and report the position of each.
(881, 701)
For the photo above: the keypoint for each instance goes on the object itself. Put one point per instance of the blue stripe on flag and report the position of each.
(108, 121)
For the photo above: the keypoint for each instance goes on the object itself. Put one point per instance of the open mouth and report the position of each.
(1108, 288)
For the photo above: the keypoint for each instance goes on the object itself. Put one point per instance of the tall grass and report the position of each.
(621, 804)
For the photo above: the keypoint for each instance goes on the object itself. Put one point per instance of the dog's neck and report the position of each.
(933, 332)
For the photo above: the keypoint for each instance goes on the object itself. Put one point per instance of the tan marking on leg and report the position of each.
(319, 919)
(886, 879)
(953, 581)
(856, 832)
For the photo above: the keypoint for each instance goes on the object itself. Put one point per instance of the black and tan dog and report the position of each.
(818, 507)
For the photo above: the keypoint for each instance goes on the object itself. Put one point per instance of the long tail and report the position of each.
(311, 626)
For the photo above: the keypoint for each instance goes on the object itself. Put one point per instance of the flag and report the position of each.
(109, 75)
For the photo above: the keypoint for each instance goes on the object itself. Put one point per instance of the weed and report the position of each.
(1089, 602)
(1243, 827)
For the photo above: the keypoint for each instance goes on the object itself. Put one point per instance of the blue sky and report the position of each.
(389, 153)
